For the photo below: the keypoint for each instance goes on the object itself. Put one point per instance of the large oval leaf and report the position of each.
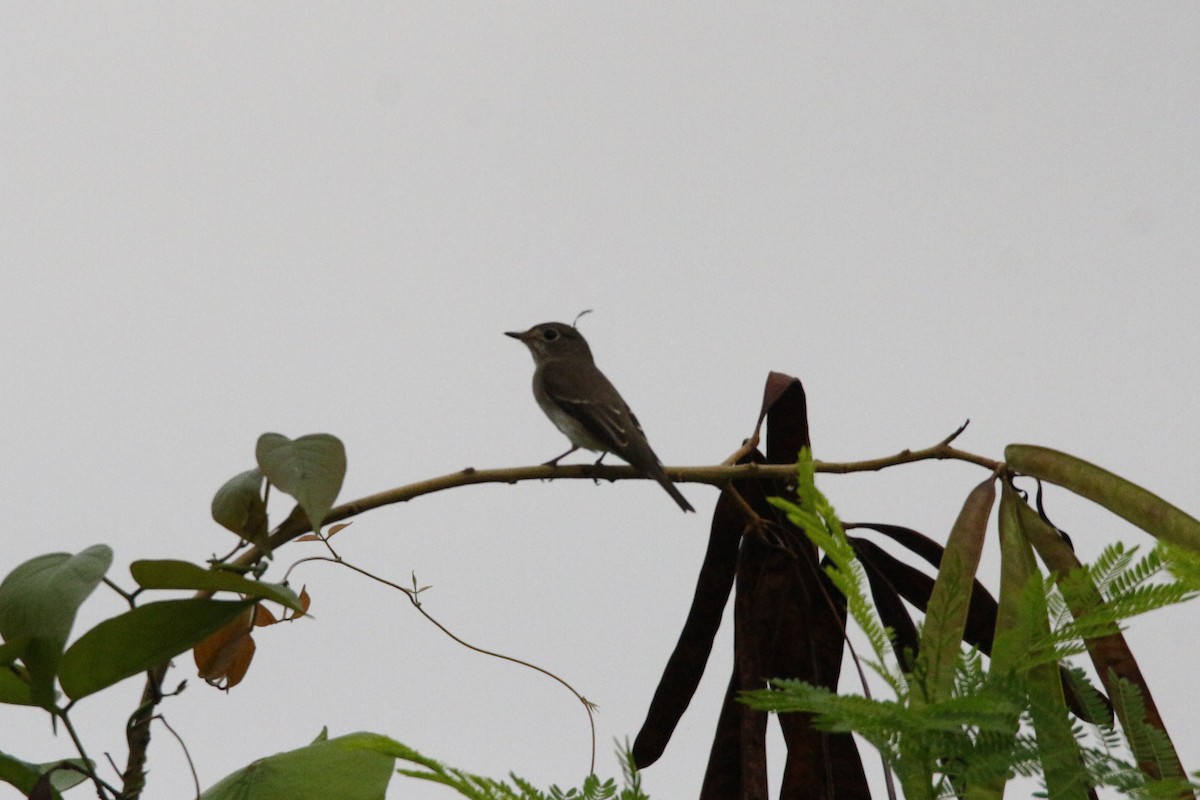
(353, 767)
(168, 574)
(310, 469)
(1145, 509)
(139, 639)
(38, 602)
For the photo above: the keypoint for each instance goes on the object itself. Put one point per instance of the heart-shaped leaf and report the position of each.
(310, 469)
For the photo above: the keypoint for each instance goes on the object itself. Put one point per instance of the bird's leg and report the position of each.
(554, 461)
(598, 460)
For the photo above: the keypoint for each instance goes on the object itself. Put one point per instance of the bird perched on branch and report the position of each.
(584, 405)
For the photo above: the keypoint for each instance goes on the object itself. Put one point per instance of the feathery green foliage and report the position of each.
(986, 731)
(478, 787)
(1183, 563)
(816, 517)
(1126, 589)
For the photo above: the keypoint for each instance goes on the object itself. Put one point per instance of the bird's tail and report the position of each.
(666, 483)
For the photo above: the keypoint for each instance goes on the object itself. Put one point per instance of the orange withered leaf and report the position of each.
(223, 658)
(263, 616)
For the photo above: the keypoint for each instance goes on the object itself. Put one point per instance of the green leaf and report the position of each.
(353, 767)
(15, 689)
(310, 469)
(946, 612)
(1184, 564)
(38, 602)
(25, 776)
(10, 652)
(238, 505)
(21, 774)
(169, 574)
(63, 777)
(1062, 763)
(140, 639)
(1146, 510)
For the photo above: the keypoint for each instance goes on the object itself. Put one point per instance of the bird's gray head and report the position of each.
(553, 340)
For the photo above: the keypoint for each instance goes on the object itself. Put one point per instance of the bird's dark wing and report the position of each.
(596, 405)
(593, 402)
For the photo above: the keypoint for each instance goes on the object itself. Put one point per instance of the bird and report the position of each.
(584, 405)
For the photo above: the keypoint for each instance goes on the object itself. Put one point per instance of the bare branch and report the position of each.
(718, 475)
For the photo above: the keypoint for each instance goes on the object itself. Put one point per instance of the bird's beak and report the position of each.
(516, 335)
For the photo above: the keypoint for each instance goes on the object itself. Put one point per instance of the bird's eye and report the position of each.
(550, 335)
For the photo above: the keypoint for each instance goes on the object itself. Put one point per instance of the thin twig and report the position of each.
(954, 435)
(746, 449)
(186, 754)
(755, 519)
(129, 596)
(413, 598)
(102, 788)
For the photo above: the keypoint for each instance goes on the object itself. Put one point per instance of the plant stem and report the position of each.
(102, 788)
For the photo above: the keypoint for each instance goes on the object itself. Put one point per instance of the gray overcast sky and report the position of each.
(220, 219)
